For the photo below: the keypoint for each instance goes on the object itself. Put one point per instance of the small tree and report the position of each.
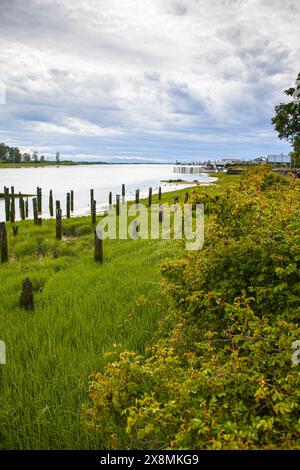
(287, 120)
(35, 157)
(26, 157)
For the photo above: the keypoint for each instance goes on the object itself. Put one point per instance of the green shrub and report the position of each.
(220, 374)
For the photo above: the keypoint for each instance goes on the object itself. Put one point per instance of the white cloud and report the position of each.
(73, 126)
(110, 68)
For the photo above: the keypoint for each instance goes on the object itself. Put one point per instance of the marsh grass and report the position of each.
(84, 312)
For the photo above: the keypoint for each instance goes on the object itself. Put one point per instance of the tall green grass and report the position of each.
(84, 312)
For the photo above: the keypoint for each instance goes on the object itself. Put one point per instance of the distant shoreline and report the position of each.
(72, 163)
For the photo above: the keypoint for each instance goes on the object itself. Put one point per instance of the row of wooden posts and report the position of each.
(27, 295)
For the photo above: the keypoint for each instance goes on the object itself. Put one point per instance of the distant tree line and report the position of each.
(14, 155)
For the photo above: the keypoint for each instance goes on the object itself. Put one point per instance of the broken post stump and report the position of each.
(186, 198)
(15, 231)
(72, 200)
(98, 244)
(27, 298)
(159, 193)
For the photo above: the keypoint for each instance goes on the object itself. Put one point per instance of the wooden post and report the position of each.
(72, 200)
(26, 208)
(135, 230)
(150, 197)
(98, 244)
(22, 208)
(51, 211)
(12, 205)
(39, 200)
(3, 243)
(7, 204)
(57, 205)
(159, 193)
(160, 214)
(123, 190)
(94, 212)
(12, 210)
(118, 204)
(68, 206)
(15, 231)
(110, 199)
(186, 198)
(58, 222)
(91, 199)
(137, 196)
(35, 211)
(27, 298)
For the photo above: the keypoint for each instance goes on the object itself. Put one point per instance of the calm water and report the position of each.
(101, 178)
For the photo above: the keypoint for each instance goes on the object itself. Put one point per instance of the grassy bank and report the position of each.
(82, 312)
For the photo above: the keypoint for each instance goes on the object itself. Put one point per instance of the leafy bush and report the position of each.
(219, 375)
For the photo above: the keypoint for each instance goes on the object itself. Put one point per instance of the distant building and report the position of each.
(260, 160)
(231, 160)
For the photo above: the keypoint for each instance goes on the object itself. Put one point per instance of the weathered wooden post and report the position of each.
(26, 208)
(12, 205)
(159, 193)
(15, 231)
(58, 222)
(22, 209)
(72, 200)
(51, 211)
(137, 196)
(35, 211)
(12, 212)
(135, 230)
(186, 197)
(98, 244)
(7, 204)
(68, 206)
(57, 204)
(94, 212)
(39, 200)
(160, 214)
(150, 197)
(110, 199)
(91, 199)
(3, 243)
(118, 204)
(123, 191)
(27, 298)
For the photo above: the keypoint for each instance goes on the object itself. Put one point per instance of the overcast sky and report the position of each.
(146, 79)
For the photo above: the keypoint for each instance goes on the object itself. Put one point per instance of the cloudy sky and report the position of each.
(146, 79)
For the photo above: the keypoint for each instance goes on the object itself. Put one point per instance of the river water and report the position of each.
(82, 178)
